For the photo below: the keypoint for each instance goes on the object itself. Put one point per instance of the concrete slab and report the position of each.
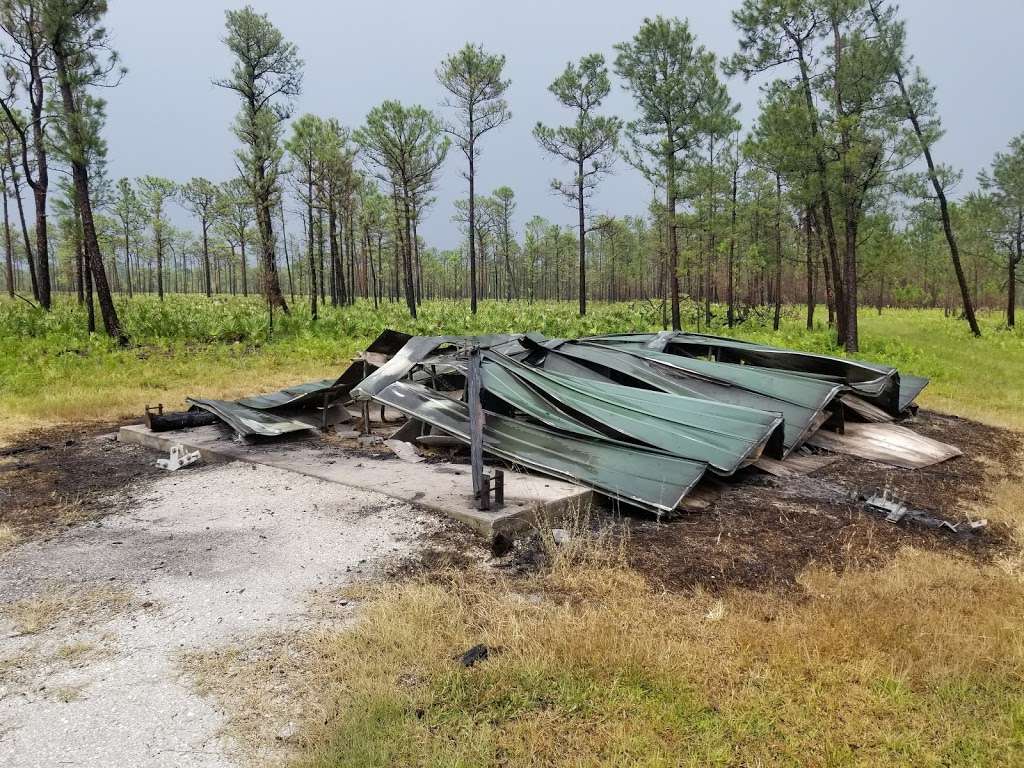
(444, 488)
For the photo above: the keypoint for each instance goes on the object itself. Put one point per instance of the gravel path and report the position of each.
(208, 556)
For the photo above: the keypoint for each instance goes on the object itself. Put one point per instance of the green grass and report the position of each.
(52, 371)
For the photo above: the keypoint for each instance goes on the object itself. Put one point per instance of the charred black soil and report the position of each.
(56, 477)
(763, 531)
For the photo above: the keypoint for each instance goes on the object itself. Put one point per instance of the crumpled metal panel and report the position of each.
(653, 481)
(910, 388)
(413, 353)
(800, 400)
(249, 422)
(311, 393)
(724, 436)
(879, 384)
(504, 385)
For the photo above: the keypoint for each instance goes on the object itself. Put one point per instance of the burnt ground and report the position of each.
(53, 478)
(763, 531)
(757, 531)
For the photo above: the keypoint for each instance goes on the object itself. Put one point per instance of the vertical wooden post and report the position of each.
(476, 428)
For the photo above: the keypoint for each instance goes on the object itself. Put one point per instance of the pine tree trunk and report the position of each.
(206, 256)
(730, 287)
(673, 240)
(940, 193)
(287, 258)
(1011, 284)
(332, 242)
(80, 173)
(472, 220)
(825, 197)
(410, 295)
(810, 271)
(8, 246)
(265, 224)
(309, 250)
(583, 240)
(40, 184)
(29, 257)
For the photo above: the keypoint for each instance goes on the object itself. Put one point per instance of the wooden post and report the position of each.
(476, 429)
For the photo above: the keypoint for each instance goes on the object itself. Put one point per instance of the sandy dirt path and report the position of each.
(95, 621)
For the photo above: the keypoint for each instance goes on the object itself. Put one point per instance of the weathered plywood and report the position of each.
(795, 465)
(887, 444)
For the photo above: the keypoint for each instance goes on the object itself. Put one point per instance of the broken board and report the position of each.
(887, 444)
(794, 465)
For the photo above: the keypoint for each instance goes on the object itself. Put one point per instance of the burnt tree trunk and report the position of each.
(309, 250)
(730, 291)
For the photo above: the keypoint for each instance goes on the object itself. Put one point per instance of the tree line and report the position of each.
(833, 196)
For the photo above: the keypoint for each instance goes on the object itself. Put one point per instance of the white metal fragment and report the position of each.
(179, 458)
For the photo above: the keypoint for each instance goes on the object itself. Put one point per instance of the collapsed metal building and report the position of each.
(639, 418)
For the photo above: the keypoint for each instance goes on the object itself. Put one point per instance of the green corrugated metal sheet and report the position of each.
(724, 436)
(311, 393)
(249, 422)
(879, 384)
(654, 481)
(414, 352)
(801, 401)
(501, 383)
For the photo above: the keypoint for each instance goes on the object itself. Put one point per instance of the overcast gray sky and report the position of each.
(167, 119)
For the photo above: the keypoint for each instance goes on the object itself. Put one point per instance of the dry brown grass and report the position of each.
(918, 664)
(76, 606)
(9, 537)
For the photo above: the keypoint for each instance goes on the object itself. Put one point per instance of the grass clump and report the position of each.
(9, 537)
(79, 605)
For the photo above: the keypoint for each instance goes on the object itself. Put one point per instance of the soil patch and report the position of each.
(764, 531)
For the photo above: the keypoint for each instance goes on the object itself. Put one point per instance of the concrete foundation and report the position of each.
(441, 487)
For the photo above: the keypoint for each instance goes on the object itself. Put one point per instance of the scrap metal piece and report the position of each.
(413, 353)
(880, 384)
(795, 465)
(864, 409)
(310, 393)
(179, 457)
(896, 511)
(404, 451)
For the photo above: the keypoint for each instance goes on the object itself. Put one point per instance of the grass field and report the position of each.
(52, 371)
(919, 663)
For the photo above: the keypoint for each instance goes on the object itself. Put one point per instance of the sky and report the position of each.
(167, 119)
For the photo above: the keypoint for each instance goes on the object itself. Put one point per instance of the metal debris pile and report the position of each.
(640, 418)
